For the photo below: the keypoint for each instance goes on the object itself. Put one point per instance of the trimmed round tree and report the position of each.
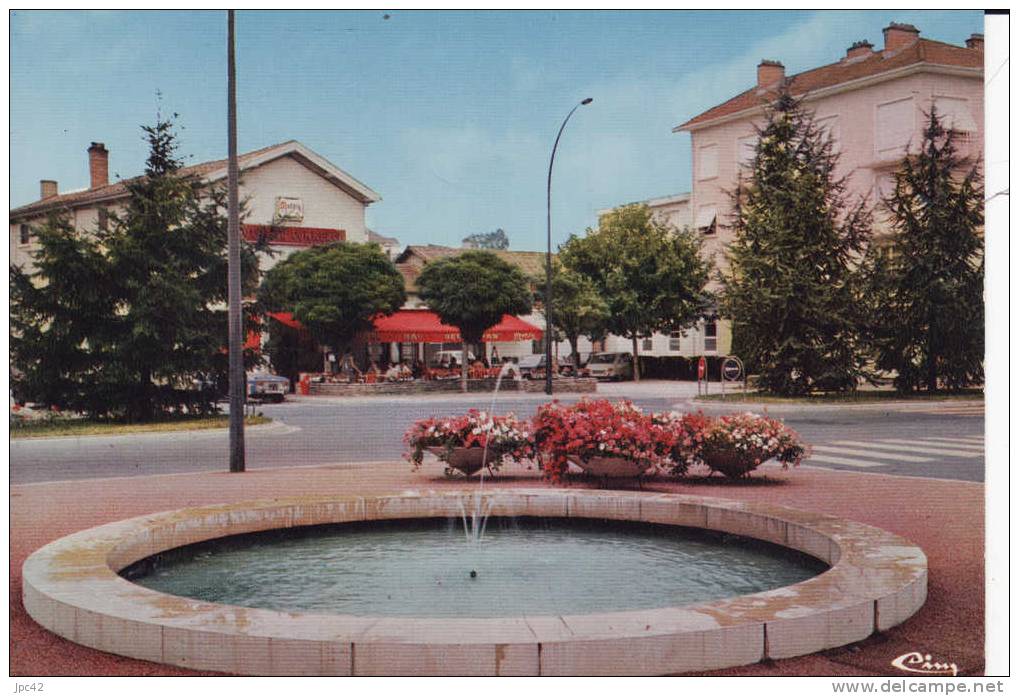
(472, 292)
(579, 307)
(650, 274)
(334, 290)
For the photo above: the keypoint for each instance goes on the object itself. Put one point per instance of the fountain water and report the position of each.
(476, 519)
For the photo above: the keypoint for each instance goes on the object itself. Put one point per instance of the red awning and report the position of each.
(287, 319)
(423, 326)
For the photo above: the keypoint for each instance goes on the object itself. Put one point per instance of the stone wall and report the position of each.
(564, 385)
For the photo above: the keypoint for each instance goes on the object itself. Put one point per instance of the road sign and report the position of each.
(732, 369)
(702, 368)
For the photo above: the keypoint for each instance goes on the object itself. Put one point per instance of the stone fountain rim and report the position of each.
(876, 580)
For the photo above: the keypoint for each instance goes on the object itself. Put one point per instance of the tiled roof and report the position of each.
(374, 236)
(532, 263)
(922, 51)
(117, 190)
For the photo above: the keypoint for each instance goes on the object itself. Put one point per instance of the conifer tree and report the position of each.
(122, 322)
(793, 286)
(928, 306)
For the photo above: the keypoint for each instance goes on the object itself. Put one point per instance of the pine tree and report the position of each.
(793, 286)
(928, 319)
(121, 322)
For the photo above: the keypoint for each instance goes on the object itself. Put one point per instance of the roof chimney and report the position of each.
(98, 165)
(900, 35)
(976, 42)
(860, 49)
(769, 72)
(47, 189)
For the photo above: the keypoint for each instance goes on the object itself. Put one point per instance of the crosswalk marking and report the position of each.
(907, 447)
(841, 460)
(960, 444)
(891, 451)
(865, 453)
(937, 446)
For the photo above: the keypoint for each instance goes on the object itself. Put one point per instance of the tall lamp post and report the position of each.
(235, 322)
(548, 256)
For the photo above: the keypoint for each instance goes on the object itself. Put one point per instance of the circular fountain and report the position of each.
(629, 610)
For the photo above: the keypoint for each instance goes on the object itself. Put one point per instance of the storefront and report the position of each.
(415, 337)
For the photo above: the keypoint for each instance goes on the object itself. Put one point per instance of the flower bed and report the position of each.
(599, 430)
(688, 431)
(608, 440)
(736, 445)
(497, 438)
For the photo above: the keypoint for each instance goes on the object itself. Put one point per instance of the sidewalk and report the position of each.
(945, 518)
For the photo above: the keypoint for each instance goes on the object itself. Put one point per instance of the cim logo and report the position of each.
(289, 209)
(920, 663)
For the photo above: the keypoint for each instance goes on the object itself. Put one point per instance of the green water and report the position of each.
(524, 566)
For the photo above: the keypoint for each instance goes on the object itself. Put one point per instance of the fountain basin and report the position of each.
(876, 580)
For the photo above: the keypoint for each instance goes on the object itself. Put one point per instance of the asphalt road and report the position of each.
(909, 440)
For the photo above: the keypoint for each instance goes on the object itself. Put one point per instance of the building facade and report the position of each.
(872, 103)
(294, 199)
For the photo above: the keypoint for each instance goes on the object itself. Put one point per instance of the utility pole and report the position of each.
(236, 321)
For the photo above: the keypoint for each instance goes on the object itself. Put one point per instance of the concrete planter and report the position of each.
(611, 467)
(735, 463)
(467, 460)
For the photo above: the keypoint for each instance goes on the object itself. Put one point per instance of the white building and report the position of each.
(294, 197)
(700, 339)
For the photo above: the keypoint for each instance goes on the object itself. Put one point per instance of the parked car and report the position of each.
(615, 366)
(263, 386)
(533, 366)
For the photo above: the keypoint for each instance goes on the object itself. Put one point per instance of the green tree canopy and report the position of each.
(472, 291)
(334, 290)
(578, 310)
(496, 239)
(650, 275)
(927, 291)
(121, 322)
(793, 290)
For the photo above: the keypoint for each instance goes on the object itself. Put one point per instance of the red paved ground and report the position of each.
(944, 518)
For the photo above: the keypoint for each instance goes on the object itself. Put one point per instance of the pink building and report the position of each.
(872, 103)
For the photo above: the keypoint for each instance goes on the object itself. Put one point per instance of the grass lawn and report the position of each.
(81, 427)
(859, 397)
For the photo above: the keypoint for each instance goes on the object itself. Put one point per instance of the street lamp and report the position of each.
(548, 256)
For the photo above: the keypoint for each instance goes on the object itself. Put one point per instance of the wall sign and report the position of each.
(289, 209)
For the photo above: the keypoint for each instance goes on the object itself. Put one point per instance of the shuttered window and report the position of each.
(894, 128)
(707, 162)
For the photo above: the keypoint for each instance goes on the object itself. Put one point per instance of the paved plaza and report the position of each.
(945, 518)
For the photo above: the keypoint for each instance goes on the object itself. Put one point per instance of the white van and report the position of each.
(443, 358)
(615, 366)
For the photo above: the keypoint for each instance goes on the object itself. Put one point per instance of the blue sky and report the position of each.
(450, 116)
